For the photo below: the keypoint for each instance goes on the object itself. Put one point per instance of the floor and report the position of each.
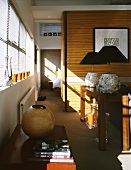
(83, 140)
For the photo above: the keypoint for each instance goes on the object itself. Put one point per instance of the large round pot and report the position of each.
(91, 79)
(38, 121)
(109, 83)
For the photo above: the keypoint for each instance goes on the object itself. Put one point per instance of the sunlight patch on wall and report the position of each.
(73, 78)
(50, 70)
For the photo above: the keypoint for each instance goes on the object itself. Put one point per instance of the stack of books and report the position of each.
(51, 151)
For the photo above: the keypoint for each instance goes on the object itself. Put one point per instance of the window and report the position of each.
(22, 37)
(13, 27)
(13, 56)
(3, 50)
(15, 43)
(21, 62)
(3, 19)
(29, 53)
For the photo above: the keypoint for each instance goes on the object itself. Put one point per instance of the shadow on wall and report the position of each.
(4, 140)
(50, 63)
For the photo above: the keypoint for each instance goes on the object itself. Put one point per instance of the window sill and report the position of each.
(14, 83)
(3, 88)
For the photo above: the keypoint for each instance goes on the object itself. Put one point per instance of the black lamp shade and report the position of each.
(93, 58)
(111, 54)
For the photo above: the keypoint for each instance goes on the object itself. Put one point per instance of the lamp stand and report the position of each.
(109, 67)
(92, 68)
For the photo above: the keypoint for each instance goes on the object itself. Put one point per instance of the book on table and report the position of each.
(51, 151)
(62, 160)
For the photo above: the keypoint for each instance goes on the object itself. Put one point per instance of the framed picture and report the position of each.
(112, 37)
(59, 33)
(49, 33)
(45, 34)
(54, 33)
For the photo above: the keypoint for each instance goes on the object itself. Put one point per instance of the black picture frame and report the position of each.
(49, 33)
(45, 34)
(112, 36)
(54, 33)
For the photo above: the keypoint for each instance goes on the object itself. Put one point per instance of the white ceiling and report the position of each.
(50, 10)
(79, 2)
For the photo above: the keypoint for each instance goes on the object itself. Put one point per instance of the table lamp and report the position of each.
(92, 58)
(111, 54)
(109, 83)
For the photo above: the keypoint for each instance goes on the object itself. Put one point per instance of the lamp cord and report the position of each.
(109, 67)
(92, 67)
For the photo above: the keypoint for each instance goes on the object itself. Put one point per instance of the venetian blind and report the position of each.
(3, 19)
(15, 42)
(21, 62)
(22, 43)
(3, 50)
(13, 57)
(13, 27)
(3, 38)
(29, 47)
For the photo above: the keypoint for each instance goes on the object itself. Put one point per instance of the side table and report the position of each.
(102, 100)
(15, 154)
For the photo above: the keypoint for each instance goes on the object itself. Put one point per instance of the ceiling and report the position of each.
(79, 2)
(50, 10)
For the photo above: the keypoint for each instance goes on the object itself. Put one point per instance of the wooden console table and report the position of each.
(15, 155)
(102, 100)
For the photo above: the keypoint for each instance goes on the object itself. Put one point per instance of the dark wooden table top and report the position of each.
(15, 154)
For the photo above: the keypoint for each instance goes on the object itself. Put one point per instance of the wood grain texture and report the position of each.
(63, 166)
(125, 123)
(79, 40)
(17, 151)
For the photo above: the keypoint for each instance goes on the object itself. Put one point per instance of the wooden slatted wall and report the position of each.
(63, 62)
(79, 41)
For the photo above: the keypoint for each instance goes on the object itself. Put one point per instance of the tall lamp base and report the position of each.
(91, 79)
(109, 83)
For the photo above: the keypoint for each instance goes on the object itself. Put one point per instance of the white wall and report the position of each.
(9, 107)
(37, 30)
(38, 65)
(38, 73)
(50, 42)
(10, 97)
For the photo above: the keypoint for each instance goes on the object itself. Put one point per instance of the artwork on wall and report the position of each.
(118, 37)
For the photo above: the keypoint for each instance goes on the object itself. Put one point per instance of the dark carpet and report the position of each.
(82, 139)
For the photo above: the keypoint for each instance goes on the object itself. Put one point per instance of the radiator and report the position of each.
(27, 101)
